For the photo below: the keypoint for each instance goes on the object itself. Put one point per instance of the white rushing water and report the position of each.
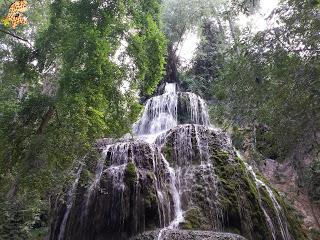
(198, 109)
(160, 113)
(159, 116)
(178, 212)
(118, 160)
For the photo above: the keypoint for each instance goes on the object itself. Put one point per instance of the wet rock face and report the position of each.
(189, 149)
(122, 200)
(128, 192)
(190, 235)
(191, 109)
(218, 191)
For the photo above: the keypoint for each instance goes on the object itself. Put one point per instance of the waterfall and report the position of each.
(198, 110)
(118, 160)
(170, 88)
(70, 200)
(178, 213)
(159, 116)
(193, 163)
(281, 219)
(161, 113)
(176, 167)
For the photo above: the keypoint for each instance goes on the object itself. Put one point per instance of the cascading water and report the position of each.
(178, 213)
(98, 174)
(70, 200)
(281, 219)
(198, 110)
(159, 116)
(195, 169)
(174, 174)
(161, 113)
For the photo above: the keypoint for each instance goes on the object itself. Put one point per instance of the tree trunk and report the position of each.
(172, 66)
(45, 120)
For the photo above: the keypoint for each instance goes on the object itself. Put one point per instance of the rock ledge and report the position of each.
(188, 235)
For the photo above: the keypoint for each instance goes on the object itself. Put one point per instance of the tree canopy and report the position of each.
(73, 79)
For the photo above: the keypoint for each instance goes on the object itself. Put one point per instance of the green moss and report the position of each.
(240, 192)
(167, 151)
(194, 220)
(314, 234)
(221, 156)
(86, 177)
(220, 160)
(295, 222)
(150, 199)
(38, 233)
(151, 208)
(237, 159)
(131, 173)
(238, 198)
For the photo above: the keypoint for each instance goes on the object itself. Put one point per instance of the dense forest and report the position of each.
(75, 73)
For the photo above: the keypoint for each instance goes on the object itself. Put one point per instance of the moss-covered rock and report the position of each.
(130, 173)
(194, 219)
(238, 201)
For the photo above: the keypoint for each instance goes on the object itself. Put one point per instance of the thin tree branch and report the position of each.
(15, 36)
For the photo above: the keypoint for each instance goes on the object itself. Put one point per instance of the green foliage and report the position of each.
(269, 81)
(147, 49)
(314, 234)
(18, 217)
(179, 17)
(67, 89)
(207, 62)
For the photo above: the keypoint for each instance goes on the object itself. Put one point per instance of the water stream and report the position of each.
(178, 212)
(70, 200)
(281, 219)
(159, 116)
